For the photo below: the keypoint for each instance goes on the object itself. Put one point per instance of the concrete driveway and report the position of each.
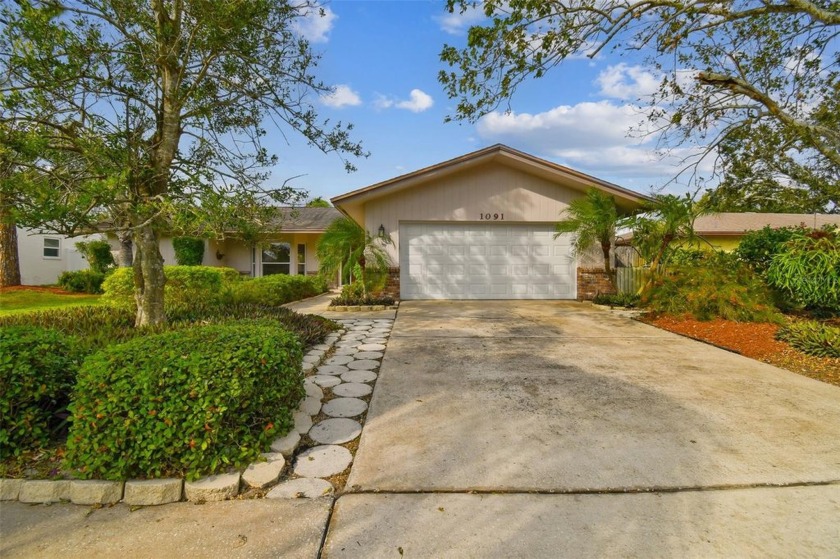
(552, 429)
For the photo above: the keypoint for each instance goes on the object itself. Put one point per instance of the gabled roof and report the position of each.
(306, 220)
(500, 153)
(733, 223)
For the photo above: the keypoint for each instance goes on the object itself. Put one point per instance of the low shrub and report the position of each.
(82, 281)
(718, 286)
(275, 290)
(37, 370)
(626, 300)
(98, 254)
(353, 294)
(98, 326)
(189, 251)
(310, 329)
(193, 402)
(811, 337)
(807, 269)
(185, 285)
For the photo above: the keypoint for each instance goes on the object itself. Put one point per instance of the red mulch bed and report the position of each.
(754, 340)
(38, 288)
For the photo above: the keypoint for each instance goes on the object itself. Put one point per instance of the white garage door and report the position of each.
(478, 261)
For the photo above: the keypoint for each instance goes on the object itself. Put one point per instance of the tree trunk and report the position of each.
(126, 256)
(605, 249)
(9, 261)
(148, 277)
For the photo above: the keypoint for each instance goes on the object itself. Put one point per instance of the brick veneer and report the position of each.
(392, 284)
(591, 282)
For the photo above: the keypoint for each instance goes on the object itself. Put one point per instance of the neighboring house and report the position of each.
(291, 251)
(723, 231)
(481, 226)
(43, 257)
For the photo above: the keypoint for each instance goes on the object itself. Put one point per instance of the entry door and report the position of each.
(485, 261)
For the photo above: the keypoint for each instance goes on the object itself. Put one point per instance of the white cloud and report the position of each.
(342, 96)
(417, 102)
(457, 23)
(596, 137)
(315, 24)
(627, 82)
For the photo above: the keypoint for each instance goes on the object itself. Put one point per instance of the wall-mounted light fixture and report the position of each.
(381, 231)
(219, 255)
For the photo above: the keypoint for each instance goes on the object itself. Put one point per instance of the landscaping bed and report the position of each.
(754, 340)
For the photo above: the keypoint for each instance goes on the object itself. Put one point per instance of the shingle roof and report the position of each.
(307, 219)
(738, 223)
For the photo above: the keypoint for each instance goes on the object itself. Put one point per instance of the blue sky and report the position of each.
(383, 59)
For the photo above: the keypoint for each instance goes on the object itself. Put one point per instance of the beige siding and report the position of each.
(489, 189)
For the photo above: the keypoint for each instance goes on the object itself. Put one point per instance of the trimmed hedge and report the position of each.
(193, 402)
(82, 281)
(185, 285)
(807, 269)
(189, 251)
(37, 370)
(275, 290)
(354, 294)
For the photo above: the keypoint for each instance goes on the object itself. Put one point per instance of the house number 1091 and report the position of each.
(492, 217)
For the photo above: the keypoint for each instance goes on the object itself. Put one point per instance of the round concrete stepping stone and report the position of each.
(314, 391)
(303, 422)
(350, 343)
(364, 321)
(331, 370)
(302, 488)
(353, 338)
(357, 328)
(384, 331)
(262, 474)
(339, 360)
(310, 405)
(346, 351)
(312, 358)
(323, 461)
(368, 347)
(322, 347)
(369, 355)
(335, 431)
(363, 365)
(345, 407)
(287, 445)
(326, 381)
(381, 341)
(358, 376)
(352, 390)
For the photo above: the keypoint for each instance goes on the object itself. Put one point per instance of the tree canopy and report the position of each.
(764, 72)
(145, 108)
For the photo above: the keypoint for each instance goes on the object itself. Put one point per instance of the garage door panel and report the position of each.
(485, 261)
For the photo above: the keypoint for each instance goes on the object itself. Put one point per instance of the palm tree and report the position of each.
(594, 219)
(346, 246)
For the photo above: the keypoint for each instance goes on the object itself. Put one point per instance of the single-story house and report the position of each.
(723, 231)
(481, 226)
(291, 251)
(44, 257)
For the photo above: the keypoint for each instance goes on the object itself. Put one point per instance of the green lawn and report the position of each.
(13, 302)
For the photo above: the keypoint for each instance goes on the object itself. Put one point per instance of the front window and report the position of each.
(301, 260)
(277, 259)
(51, 248)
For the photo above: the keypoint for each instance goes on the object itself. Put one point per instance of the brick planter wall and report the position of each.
(392, 284)
(591, 282)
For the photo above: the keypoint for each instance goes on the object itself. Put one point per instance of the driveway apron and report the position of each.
(549, 428)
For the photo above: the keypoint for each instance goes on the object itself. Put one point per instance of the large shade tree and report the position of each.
(147, 106)
(764, 72)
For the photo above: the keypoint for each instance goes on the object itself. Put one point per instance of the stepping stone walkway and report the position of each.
(347, 376)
